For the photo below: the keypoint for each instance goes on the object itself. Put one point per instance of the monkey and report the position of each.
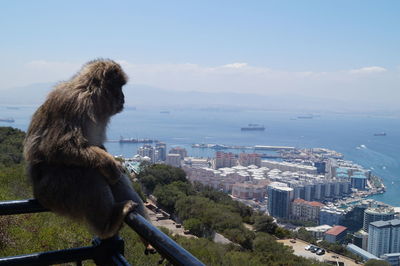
(71, 172)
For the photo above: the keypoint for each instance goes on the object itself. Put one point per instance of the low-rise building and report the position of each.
(197, 162)
(292, 167)
(319, 231)
(178, 150)
(336, 234)
(306, 210)
(331, 215)
(249, 191)
(174, 160)
(360, 252)
(392, 258)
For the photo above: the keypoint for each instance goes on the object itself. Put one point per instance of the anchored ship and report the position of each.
(8, 120)
(132, 140)
(253, 127)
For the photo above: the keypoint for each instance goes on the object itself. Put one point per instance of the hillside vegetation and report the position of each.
(202, 210)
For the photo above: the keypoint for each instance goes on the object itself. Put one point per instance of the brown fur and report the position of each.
(71, 172)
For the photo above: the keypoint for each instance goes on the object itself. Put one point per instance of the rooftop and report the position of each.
(336, 230)
(320, 228)
(311, 203)
(380, 210)
(359, 176)
(363, 253)
(394, 222)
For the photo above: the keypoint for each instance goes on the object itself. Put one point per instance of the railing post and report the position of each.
(167, 248)
(108, 251)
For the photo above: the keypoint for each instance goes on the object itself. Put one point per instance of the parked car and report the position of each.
(320, 251)
(308, 247)
(292, 241)
(314, 249)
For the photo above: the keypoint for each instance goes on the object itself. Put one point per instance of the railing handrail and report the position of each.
(167, 248)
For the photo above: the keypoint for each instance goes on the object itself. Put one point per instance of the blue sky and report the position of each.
(265, 46)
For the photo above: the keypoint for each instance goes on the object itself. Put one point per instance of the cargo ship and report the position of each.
(381, 134)
(132, 140)
(8, 120)
(253, 127)
(305, 117)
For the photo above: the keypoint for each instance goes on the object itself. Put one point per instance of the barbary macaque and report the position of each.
(71, 172)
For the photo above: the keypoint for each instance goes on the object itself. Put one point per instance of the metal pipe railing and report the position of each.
(165, 246)
(168, 248)
(102, 252)
(20, 207)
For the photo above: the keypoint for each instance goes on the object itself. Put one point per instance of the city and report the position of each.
(315, 188)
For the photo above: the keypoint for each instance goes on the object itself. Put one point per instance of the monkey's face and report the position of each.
(119, 99)
(113, 81)
(104, 79)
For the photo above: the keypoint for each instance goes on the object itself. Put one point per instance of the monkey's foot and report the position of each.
(129, 206)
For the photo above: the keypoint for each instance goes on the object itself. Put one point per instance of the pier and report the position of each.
(237, 147)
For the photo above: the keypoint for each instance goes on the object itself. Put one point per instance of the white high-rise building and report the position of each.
(147, 151)
(161, 152)
(384, 237)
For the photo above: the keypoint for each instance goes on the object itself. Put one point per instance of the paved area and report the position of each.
(158, 219)
(299, 250)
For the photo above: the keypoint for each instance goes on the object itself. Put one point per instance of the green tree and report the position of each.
(281, 233)
(374, 262)
(167, 196)
(160, 174)
(303, 234)
(265, 223)
(195, 227)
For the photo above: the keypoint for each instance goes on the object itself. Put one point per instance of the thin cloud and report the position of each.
(368, 70)
(236, 65)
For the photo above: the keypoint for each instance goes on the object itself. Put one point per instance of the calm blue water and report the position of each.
(342, 133)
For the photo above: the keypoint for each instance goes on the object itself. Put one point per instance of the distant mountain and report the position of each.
(27, 95)
(144, 96)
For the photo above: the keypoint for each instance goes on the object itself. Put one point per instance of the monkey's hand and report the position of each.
(112, 172)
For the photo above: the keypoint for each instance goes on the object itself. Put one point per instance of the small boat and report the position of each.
(381, 134)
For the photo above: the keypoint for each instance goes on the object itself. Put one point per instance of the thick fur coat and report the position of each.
(71, 172)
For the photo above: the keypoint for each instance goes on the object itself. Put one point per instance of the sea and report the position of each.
(350, 134)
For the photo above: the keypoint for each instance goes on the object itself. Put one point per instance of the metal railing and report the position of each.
(103, 252)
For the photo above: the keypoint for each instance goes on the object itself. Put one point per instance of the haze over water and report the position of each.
(351, 135)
